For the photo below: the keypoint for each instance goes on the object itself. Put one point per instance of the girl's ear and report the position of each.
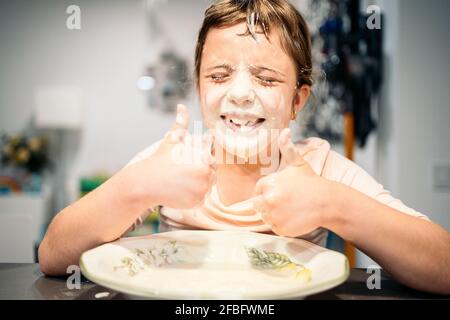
(301, 97)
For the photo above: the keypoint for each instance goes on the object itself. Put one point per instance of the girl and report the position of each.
(253, 74)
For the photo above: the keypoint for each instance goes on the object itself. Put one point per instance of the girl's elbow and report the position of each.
(47, 262)
(44, 260)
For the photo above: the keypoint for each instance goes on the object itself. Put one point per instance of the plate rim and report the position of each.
(140, 293)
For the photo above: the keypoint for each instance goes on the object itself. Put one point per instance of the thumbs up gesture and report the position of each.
(181, 171)
(294, 200)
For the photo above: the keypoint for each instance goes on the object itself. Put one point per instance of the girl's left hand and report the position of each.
(295, 200)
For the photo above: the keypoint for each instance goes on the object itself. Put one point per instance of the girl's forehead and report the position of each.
(234, 45)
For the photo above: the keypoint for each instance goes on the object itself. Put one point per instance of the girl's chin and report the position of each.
(243, 146)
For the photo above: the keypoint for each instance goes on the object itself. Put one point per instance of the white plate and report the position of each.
(214, 265)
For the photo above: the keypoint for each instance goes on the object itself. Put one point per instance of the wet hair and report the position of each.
(262, 16)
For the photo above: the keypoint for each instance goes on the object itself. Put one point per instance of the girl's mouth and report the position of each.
(242, 124)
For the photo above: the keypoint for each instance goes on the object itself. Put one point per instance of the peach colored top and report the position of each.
(212, 214)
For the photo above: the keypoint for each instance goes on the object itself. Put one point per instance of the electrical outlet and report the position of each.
(441, 177)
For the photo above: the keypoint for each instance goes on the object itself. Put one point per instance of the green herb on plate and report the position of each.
(277, 261)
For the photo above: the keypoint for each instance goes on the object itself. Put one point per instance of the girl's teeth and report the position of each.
(243, 122)
(239, 122)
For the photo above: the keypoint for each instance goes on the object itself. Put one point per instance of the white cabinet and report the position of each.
(23, 218)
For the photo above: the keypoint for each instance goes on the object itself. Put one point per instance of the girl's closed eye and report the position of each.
(267, 81)
(218, 77)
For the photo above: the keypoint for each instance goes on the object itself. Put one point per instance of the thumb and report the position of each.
(180, 127)
(289, 153)
(207, 148)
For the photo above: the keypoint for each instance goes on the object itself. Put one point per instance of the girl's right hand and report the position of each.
(181, 171)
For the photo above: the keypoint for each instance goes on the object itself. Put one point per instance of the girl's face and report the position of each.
(247, 88)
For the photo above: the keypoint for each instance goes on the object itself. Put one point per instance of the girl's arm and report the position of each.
(403, 241)
(106, 213)
(415, 251)
(296, 201)
(101, 216)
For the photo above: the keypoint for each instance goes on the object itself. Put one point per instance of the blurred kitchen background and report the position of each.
(85, 85)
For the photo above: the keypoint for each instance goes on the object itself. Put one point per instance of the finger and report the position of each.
(207, 145)
(260, 207)
(207, 156)
(276, 225)
(267, 216)
(264, 184)
(182, 118)
(212, 178)
(260, 187)
(258, 203)
(277, 230)
(175, 136)
(289, 153)
(180, 127)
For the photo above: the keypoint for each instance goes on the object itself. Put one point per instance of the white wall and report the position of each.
(104, 59)
(417, 109)
(414, 118)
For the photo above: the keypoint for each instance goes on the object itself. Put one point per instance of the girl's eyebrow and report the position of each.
(221, 66)
(259, 69)
(253, 69)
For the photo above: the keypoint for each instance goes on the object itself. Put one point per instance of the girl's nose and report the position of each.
(241, 91)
